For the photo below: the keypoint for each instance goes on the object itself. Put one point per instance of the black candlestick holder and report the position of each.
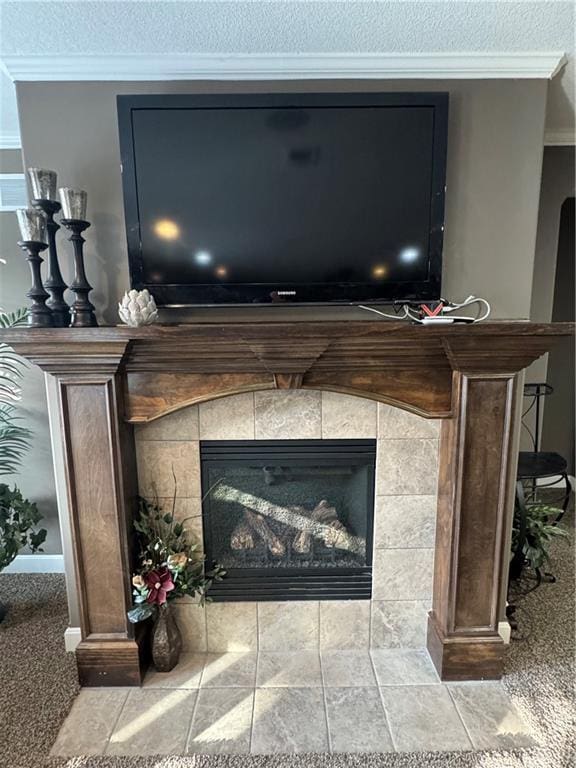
(83, 315)
(39, 315)
(54, 283)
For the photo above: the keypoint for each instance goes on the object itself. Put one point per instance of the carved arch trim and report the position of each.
(149, 396)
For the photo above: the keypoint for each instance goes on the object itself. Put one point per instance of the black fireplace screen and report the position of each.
(289, 519)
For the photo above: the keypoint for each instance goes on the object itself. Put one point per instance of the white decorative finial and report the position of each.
(138, 308)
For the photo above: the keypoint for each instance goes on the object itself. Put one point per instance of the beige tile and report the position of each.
(399, 624)
(89, 724)
(289, 626)
(397, 423)
(405, 522)
(356, 721)
(222, 721)
(179, 425)
(423, 717)
(490, 717)
(191, 619)
(289, 720)
(406, 467)
(160, 461)
(189, 512)
(228, 418)
(229, 670)
(344, 624)
(186, 674)
(347, 669)
(403, 574)
(292, 669)
(288, 415)
(153, 722)
(347, 416)
(404, 666)
(231, 627)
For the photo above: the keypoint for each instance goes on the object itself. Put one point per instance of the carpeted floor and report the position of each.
(38, 685)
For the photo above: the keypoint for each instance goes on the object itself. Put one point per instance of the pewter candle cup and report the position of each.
(32, 225)
(73, 203)
(43, 183)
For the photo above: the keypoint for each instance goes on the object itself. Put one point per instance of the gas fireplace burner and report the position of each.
(289, 519)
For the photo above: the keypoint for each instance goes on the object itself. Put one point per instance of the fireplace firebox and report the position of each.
(289, 519)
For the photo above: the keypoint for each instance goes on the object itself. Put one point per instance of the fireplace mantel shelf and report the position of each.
(104, 379)
(170, 366)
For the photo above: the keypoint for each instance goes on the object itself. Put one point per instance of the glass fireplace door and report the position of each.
(289, 519)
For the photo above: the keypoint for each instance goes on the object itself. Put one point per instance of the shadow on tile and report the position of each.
(186, 674)
(222, 721)
(229, 670)
(296, 669)
(89, 724)
(153, 722)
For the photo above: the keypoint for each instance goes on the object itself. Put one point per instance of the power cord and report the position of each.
(417, 315)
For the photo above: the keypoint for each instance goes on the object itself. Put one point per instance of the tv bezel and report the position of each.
(186, 295)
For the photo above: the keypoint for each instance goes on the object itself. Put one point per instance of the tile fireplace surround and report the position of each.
(446, 415)
(404, 518)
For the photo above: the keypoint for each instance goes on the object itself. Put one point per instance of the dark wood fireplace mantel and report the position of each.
(109, 378)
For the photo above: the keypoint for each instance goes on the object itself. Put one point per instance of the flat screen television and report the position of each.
(276, 198)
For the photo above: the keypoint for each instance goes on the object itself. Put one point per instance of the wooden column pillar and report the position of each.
(470, 560)
(101, 485)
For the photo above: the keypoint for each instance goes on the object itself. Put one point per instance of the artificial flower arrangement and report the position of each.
(170, 564)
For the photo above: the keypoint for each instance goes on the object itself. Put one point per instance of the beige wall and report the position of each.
(494, 161)
(558, 183)
(36, 478)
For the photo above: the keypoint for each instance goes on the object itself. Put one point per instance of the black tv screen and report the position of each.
(284, 198)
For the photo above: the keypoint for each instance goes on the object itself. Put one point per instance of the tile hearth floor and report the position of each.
(336, 701)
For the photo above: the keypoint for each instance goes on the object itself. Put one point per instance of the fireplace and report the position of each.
(289, 519)
(103, 381)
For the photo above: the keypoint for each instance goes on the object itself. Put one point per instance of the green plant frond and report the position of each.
(541, 529)
(11, 319)
(9, 361)
(18, 525)
(11, 378)
(7, 394)
(14, 436)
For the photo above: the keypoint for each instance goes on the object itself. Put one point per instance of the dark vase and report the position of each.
(166, 640)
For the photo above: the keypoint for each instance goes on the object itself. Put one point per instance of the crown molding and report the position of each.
(284, 66)
(10, 140)
(560, 138)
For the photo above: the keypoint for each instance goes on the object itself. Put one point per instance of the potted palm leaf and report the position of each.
(19, 517)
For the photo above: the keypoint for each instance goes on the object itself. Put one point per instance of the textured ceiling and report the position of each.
(102, 27)
(275, 26)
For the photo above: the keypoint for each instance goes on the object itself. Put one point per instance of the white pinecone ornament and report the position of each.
(137, 308)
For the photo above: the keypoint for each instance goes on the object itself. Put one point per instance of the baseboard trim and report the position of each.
(72, 638)
(36, 564)
(505, 631)
(560, 138)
